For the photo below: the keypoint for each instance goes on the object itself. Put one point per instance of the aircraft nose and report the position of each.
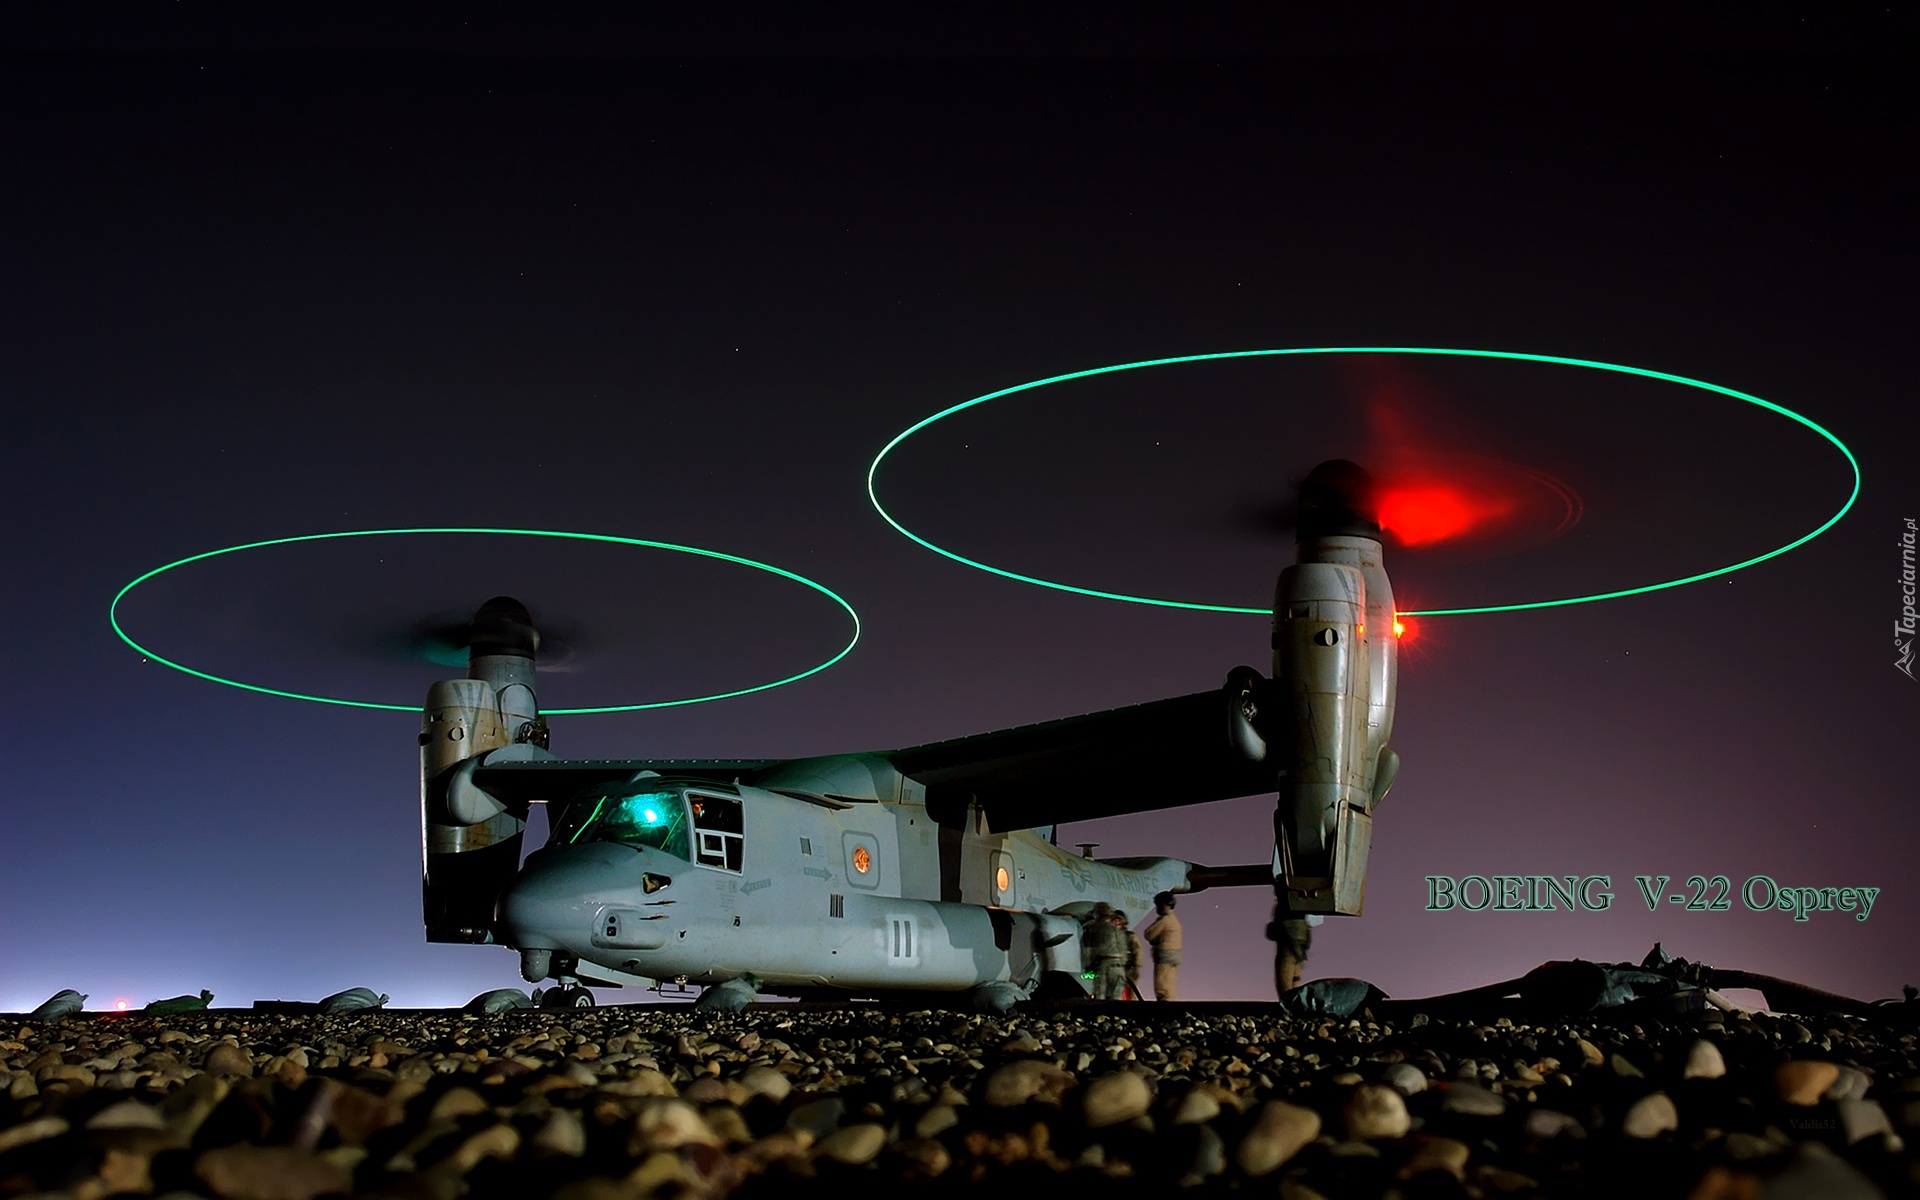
(552, 903)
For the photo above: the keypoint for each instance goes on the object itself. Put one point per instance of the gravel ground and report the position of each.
(1135, 1099)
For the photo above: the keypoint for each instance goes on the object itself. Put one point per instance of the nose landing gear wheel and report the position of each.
(566, 997)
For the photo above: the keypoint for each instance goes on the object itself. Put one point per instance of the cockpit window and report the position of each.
(646, 817)
(717, 831)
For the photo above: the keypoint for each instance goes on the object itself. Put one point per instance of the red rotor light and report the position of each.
(1427, 511)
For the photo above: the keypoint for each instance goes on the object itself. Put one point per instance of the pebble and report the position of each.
(563, 1134)
(765, 1081)
(1804, 1081)
(1472, 1100)
(1852, 1085)
(1704, 1061)
(1374, 1111)
(853, 1145)
(227, 1059)
(242, 1172)
(1438, 1154)
(818, 1118)
(1029, 1079)
(1278, 1132)
(1197, 1107)
(623, 1102)
(1650, 1116)
(1404, 1078)
(1861, 1119)
(1545, 1124)
(1114, 1098)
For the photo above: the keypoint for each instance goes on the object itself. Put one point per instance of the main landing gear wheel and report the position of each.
(566, 997)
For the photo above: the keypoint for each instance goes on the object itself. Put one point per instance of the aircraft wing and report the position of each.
(1162, 754)
(561, 779)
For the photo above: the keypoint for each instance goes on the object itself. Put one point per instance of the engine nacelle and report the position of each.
(470, 841)
(1334, 680)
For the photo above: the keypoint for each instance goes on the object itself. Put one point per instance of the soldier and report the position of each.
(1106, 951)
(1134, 955)
(1164, 936)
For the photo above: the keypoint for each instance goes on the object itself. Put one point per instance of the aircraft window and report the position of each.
(717, 831)
(648, 818)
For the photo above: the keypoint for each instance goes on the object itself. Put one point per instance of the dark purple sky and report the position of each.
(681, 284)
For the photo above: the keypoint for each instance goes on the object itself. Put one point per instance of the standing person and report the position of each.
(1106, 951)
(1164, 936)
(1134, 955)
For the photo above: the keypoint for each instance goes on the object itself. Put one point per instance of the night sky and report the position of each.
(681, 282)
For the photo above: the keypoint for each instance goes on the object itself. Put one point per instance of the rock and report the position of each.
(1404, 1078)
(1206, 1154)
(1375, 1111)
(1114, 1098)
(1545, 1124)
(1704, 1061)
(818, 1118)
(495, 1141)
(936, 1121)
(1860, 1119)
(63, 1003)
(1027, 1080)
(1804, 1081)
(227, 1059)
(269, 1173)
(131, 1114)
(64, 1073)
(643, 1082)
(562, 1135)
(27, 1132)
(1650, 1116)
(1589, 1053)
(1438, 1154)
(1814, 1173)
(457, 1102)
(356, 1114)
(926, 1158)
(1197, 1107)
(852, 1145)
(1852, 1085)
(1278, 1132)
(1620, 1065)
(765, 1081)
(1471, 1100)
(667, 1124)
(1021, 1043)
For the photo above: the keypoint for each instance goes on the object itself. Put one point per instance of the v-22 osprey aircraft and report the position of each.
(930, 869)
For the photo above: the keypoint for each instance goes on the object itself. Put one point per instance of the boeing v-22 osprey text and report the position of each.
(929, 869)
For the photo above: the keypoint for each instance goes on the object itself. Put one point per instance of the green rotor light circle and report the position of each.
(113, 612)
(1590, 364)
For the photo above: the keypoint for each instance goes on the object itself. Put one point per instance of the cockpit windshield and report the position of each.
(632, 816)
